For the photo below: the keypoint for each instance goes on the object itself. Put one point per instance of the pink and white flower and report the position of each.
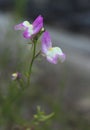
(52, 54)
(30, 30)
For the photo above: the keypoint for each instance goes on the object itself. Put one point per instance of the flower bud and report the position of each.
(16, 76)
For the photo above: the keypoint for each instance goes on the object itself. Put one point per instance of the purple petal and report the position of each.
(19, 27)
(22, 26)
(46, 42)
(26, 34)
(38, 24)
(52, 60)
(62, 57)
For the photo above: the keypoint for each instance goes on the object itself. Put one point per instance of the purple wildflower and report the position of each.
(30, 30)
(52, 54)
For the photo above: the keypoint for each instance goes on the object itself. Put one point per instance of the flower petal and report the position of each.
(46, 42)
(37, 24)
(26, 34)
(22, 26)
(19, 27)
(54, 55)
(59, 53)
(52, 60)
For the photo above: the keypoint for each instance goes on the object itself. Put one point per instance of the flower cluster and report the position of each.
(52, 54)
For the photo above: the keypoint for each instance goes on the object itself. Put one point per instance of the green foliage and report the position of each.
(41, 117)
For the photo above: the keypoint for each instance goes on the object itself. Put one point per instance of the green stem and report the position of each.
(37, 54)
(31, 64)
(21, 82)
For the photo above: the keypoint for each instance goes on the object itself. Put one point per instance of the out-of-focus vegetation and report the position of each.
(20, 7)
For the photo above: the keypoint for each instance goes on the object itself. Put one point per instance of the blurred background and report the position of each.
(62, 88)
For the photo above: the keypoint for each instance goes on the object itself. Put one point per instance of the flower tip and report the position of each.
(63, 57)
(19, 26)
(46, 33)
(15, 27)
(40, 16)
(39, 19)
